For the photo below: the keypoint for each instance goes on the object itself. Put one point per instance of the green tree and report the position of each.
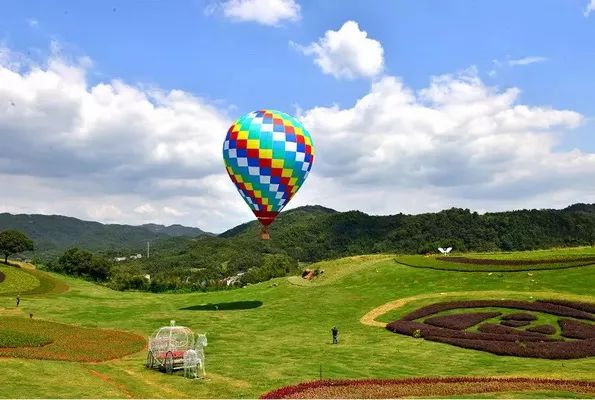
(78, 262)
(12, 242)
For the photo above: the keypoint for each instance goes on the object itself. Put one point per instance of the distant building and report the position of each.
(118, 259)
(136, 256)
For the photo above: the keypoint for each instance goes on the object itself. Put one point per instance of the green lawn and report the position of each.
(285, 340)
(16, 281)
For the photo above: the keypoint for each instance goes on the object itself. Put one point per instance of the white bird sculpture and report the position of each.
(444, 251)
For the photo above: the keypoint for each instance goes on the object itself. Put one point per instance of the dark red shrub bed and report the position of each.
(2, 276)
(576, 329)
(514, 324)
(556, 309)
(550, 350)
(545, 329)
(460, 321)
(488, 261)
(442, 387)
(410, 327)
(502, 339)
(520, 317)
(505, 330)
(590, 308)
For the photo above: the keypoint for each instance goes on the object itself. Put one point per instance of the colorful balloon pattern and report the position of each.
(268, 155)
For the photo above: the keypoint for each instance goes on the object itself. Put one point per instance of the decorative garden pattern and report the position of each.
(498, 329)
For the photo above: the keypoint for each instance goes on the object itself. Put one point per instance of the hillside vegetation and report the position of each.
(53, 234)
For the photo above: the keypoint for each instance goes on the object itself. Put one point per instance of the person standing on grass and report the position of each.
(335, 333)
(18, 300)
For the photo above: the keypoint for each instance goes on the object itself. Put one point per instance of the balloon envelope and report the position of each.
(268, 155)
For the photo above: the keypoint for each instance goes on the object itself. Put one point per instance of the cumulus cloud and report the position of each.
(590, 8)
(457, 142)
(116, 152)
(265, 12)
(347, 53)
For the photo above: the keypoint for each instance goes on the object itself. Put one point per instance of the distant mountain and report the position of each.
(53, 234)
(175, 230)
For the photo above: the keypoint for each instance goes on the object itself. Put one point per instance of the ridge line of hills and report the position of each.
(310, 233)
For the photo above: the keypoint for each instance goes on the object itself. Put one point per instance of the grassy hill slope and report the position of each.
(286, 340)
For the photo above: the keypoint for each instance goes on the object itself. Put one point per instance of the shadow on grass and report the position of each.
(233, 305)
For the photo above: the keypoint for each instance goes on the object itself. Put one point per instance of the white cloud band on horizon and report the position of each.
(121, 153)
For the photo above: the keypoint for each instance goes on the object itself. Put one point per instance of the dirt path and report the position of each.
(370, 317)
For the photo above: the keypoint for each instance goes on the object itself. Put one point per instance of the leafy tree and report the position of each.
(78, 262)
(13, 241)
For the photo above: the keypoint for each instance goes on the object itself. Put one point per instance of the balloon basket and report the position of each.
(264, 233)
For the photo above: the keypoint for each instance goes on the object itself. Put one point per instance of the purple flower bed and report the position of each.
(409, 327)
(514, 324)
(556, 309)
(550, 350)
(504, 339)
(460, 321)
(590, 308)
(505, 330)
(576, 329)
(545, 329)
(519, 317)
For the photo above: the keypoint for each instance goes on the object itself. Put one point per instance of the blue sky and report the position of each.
(238, 64)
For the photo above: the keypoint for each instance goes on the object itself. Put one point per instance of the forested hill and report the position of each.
(314, 232)
(53, 234)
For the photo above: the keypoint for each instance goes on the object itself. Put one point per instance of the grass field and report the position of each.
(284, 338)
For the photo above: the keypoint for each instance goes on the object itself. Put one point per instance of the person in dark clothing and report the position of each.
(18, 300)
(335, 333)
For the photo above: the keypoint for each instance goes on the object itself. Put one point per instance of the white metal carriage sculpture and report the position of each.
(177, 347)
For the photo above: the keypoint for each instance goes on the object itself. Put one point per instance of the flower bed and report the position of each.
(69, 342)
(556, 309)
(514, 324)
(425, 386)
(429, 331)
(590, 308)
(460, 321)
(535, 349)
(505, 330)
(501, 339)
(492, 261)
(545, 329)
(520, 317)
(12, 338)
(576, 329)
(2, 276)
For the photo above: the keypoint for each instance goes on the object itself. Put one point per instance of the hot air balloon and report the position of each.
(268, 155)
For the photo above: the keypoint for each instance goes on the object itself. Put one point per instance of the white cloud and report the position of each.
(145, 209)
(121, 153)
(527, 60)
(173, 212)
(347, 53)
(590, 7)
(457, 142)
(32, 22)
(265, 12)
